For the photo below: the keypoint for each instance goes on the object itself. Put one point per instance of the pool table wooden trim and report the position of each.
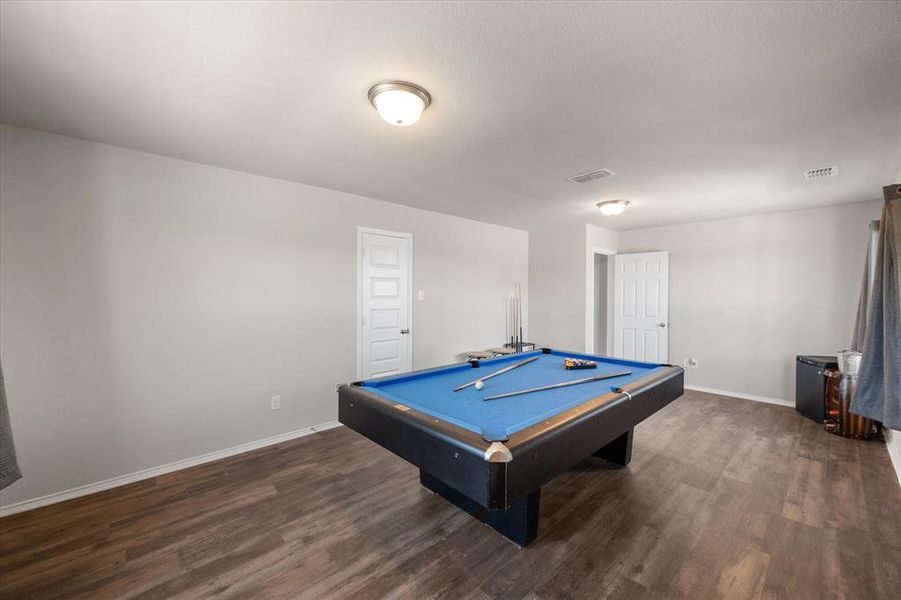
(448, 452)
(460, 458)
(583, 430)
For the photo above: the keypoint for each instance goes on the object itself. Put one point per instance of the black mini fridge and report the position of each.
(810, 384)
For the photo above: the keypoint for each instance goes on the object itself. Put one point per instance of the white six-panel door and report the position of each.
(641, 306)
(384, 299)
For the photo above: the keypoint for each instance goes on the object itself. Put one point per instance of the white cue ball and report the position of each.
(479, 385)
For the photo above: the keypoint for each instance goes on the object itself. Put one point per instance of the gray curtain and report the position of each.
(877, 333)
(9, 468)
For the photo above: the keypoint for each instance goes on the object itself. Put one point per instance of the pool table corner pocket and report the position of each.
(497, 452)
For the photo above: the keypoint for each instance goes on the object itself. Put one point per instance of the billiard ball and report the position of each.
(479, 385)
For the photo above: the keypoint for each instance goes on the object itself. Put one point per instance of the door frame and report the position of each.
(358, 286)
(589, 298)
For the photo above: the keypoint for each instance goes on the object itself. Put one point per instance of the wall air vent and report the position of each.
(592, 176)
(821, 173)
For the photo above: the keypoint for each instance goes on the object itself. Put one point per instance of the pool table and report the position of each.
(490, 458)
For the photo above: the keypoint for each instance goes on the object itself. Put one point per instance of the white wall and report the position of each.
(150, 306)
(557, 281)
(893, 443)
(561, 276)
(893, 438)
(750, 293)
(599, 239)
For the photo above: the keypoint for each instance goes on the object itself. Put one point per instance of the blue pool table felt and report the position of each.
(431, 391)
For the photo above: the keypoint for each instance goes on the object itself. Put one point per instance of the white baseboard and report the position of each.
(93, 488)
(741, 395)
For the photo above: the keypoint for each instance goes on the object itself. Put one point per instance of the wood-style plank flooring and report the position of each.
(724, 498)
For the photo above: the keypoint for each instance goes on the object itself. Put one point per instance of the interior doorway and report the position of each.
(601, 304)
(599, 301)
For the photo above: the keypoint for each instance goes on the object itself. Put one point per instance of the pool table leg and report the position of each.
(519, 523)
(619, 451)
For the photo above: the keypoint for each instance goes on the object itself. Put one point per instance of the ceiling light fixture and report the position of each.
(613, 207)
(399, 102)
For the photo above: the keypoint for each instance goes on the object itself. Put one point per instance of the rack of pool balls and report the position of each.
(579, 363)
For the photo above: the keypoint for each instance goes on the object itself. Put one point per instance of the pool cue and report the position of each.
(496, 373)
(513, 318)
(510, 316)
(559, 385)
(519, 316)
(515, 308)
(506, 317)
(511, 301)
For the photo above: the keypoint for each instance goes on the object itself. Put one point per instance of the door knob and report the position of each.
(661, 324)
(404, 331)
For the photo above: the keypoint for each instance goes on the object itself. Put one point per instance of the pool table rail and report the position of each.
(544, 450)
(448, 452)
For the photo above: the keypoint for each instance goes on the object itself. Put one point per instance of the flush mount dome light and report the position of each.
(399, 102)
(613, 207)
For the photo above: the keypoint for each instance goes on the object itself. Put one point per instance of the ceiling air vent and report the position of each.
(821, 173)
(592, 176)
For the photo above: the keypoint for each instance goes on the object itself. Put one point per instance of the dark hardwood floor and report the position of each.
(724, 498)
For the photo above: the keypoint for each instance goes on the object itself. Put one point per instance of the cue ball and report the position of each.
(479, 385)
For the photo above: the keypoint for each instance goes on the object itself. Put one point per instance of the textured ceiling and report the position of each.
(703, 110)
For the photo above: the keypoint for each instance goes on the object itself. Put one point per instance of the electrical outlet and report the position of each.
(689, 363)
(275, 402)
(421, 295)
